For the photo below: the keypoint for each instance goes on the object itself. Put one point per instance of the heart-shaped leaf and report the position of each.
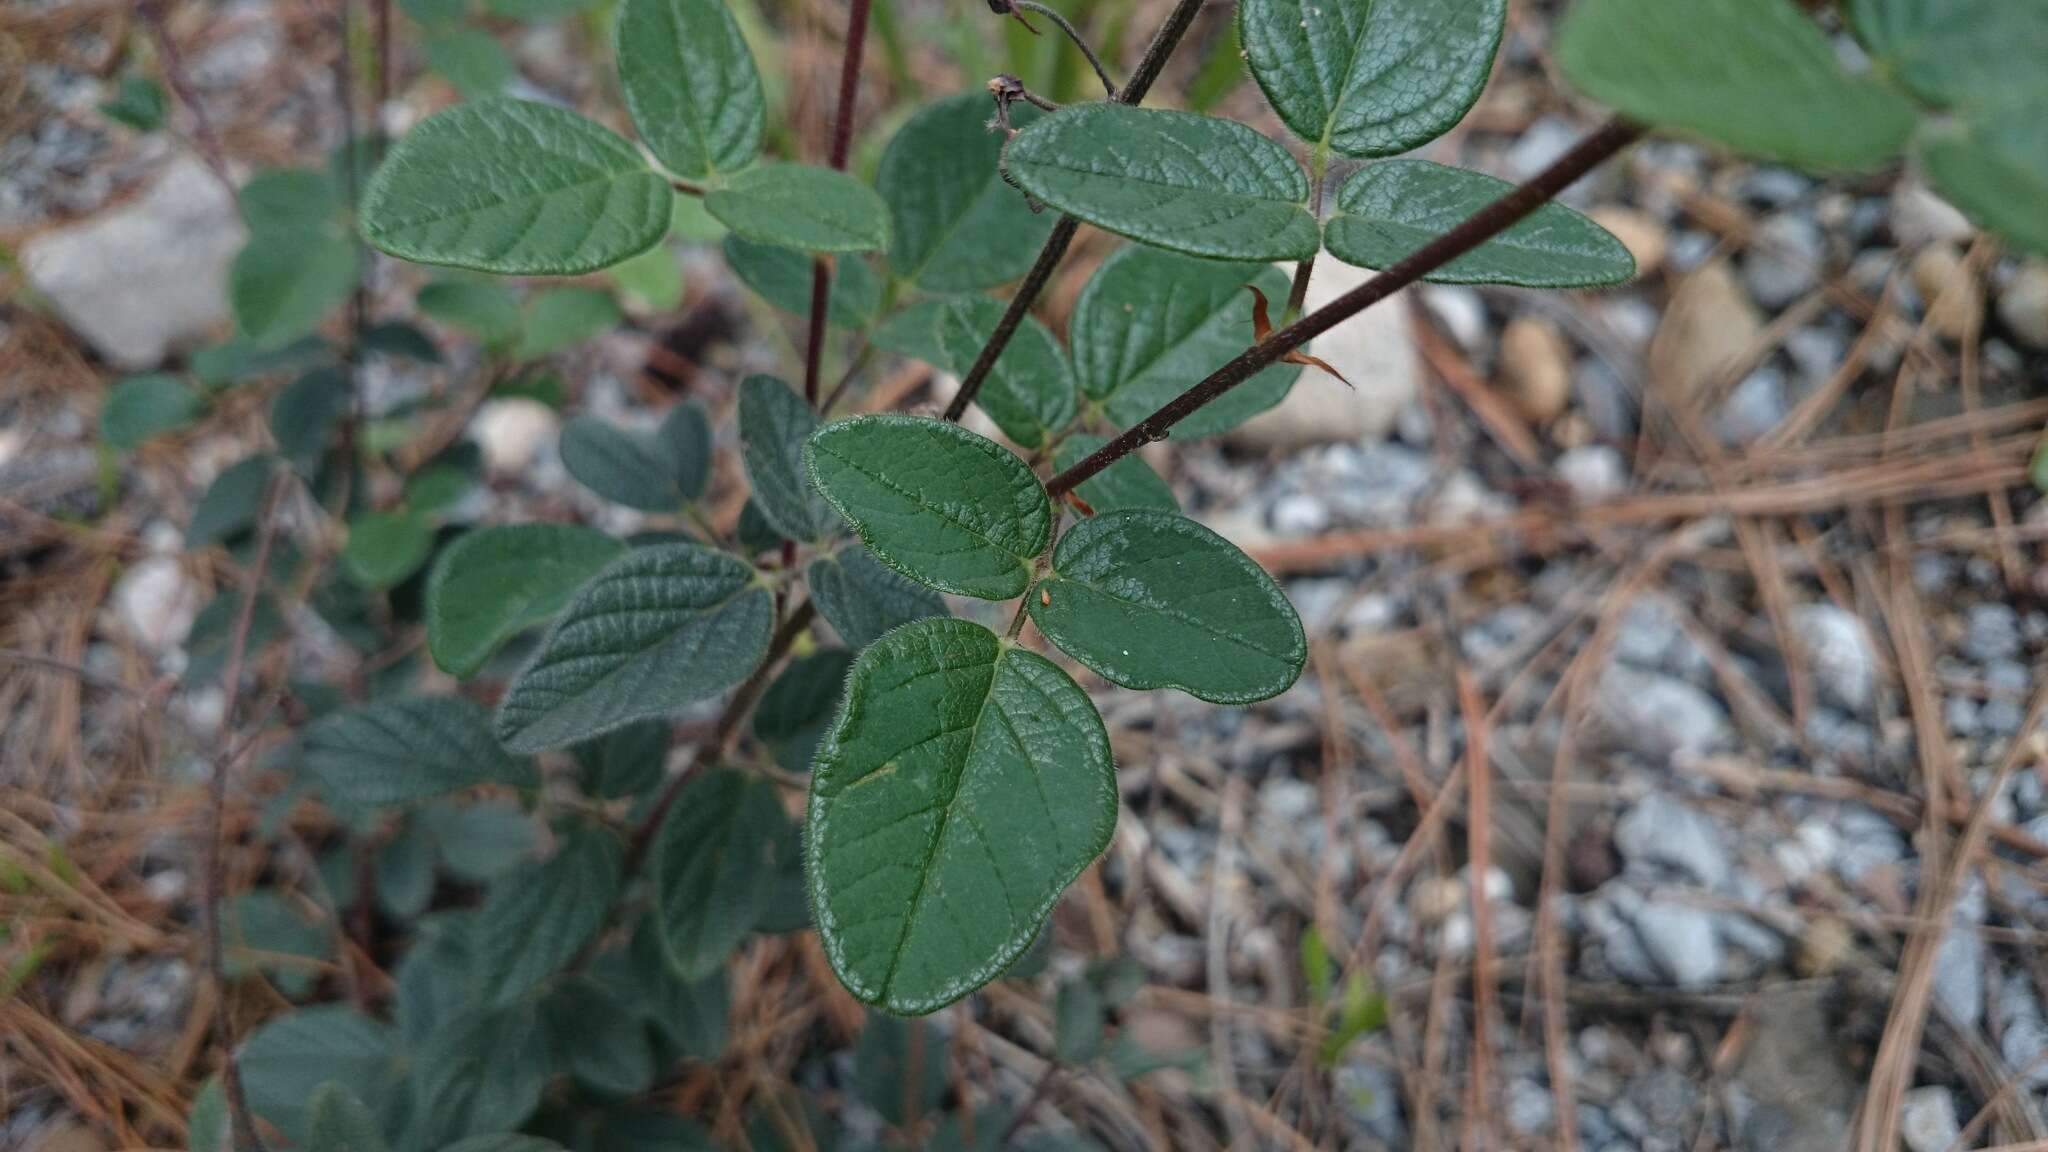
(783, 277)
(407, 748)
(1371, 77)
(689, 84)
(862, 598)
(1390, 209)
(1128, 483)
(943, 506)
(956, 227)
(1194, 184)
(1149, 323)
(965, 783)
(774, 423)
(140, 407)
(494, 583)
(801, 206)
(1754, 75)
(710, 867)
(510, 186)
(1155, 600)
(658, 628)
(657, 472)
(539, 915)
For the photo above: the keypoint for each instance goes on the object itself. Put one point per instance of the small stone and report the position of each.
(1991, 632)
(1775, 187)
(1707, 331)
(1642, 234)
(512, 431)
(1375, 351)
(1838, 652)
(155, 603)
(1535, 368)
(1593, 471)
(1948, 289)
(1927, 1120)
(1460, 309)
(1959, 960)
(1784, 260)
(1824, 947)
(1538, 147)
(1530, 1109)
(1661, 831)
(1918, 216)
(1754, 408)
(1657, 716)
(1299, 514)
(1816, 352)
(148, 277)
(2023, 304)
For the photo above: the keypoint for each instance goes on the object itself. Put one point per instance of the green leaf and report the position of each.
(782, 276)
(435, 13)
(141, 407)
(405, 872)
(625, 761)
(1128, 483)
(289, 200)
(1371, 77)
(886, 1067)
(1390, 209)
(471, 59)
(232, 502)
(481, 841)
(1029, 393)
(659, 471)
(1154, 600)
(206, 1123)
(304, 415)
(401, 339)
(288, 1057)
(407, 748)
(206, 645)
(799, 702)
(1149, 324)
(1079, 1019)
(139, 103)
(653, 278)
(267, 932)
(862, 598)
(494, 583)
(774, 422)
(535, 11)
(965, 784)
(756, 535)
(943, 506)
(801, 206)
(913, 331)
(384, 548)
(955, 225)
(1957, 53)
(690, 85)
(341, 1122)
(690, 1018)
(564, 317)
(509, 186)
(598, 1036)
(481, 308)
(236, 360)
(483, 1071)
(709, 867)
(658, 628)
(1753, 75)
(1996, 171)
(283, 284)
(541, 914)
(1194, 184)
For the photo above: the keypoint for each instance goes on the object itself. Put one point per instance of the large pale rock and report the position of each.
(1706, 333)
(1375, 350)
(148, 276)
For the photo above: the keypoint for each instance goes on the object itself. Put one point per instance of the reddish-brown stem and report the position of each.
(1162, 46)
(1478, 228)
(842, 144)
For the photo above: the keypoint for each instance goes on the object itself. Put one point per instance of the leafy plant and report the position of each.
(571, 880)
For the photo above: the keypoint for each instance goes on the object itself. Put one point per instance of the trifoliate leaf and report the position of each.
(658, 628)
(1371, 77)
(1390, 209)
(943, 506)
(510, 186)
(965, 784)
(494, 583)
(1193, 184)
(1154, 600)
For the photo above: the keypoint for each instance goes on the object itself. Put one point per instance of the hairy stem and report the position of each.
(842, 143)
(1476, 229)
(1318, 170)
(1163, 43)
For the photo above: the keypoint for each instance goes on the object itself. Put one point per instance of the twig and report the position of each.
(1163, 43)
(1297, 293)
(1009, 8)
(1039, 1087)
(1478, 228)
(842, 143)
(243, 1123)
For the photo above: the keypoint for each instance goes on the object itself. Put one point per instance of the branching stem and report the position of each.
(1476, 229)
(1163, 43)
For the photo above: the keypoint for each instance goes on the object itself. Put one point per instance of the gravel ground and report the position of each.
(1715, 602)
